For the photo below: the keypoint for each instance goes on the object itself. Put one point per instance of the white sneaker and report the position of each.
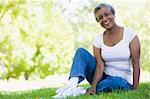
(62, 89)
(69, 91)
(78, 91)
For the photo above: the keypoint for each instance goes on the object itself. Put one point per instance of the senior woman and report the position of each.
(116, 60)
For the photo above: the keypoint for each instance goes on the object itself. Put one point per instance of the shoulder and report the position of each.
(99, 36)
(97, 41)
(130, 31)
(129, 34)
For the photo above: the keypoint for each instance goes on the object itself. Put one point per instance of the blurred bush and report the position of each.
(39, 38)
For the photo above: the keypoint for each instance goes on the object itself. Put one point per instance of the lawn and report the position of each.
(143, 92)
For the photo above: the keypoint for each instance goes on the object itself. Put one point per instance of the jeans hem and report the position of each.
(81, 77)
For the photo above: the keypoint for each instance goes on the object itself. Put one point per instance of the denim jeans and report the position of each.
(84, 65)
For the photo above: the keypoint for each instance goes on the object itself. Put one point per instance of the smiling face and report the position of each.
(105, 18)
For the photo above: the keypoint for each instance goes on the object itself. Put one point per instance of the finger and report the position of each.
(88, 92)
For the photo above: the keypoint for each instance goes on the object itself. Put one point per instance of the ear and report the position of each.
(114, 16)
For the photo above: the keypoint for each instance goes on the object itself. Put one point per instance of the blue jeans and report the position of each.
(84, 65)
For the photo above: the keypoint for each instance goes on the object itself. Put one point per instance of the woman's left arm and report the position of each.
(135, 57)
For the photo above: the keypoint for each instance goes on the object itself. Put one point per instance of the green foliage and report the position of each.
(36, 40)
(138, 19)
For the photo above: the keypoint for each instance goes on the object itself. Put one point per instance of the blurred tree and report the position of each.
(134, 14)
(34, 39)
(39, 38)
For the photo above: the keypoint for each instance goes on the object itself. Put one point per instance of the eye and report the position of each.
(99, 18)
(107, 14)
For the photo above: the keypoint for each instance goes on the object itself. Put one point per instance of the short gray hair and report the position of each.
(101, 5)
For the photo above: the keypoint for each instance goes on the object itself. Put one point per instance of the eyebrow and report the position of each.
(103, 14)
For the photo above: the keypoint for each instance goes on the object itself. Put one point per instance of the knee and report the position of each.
(82, 53)
(80, 50)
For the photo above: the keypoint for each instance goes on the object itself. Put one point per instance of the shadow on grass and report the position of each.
(143, 92)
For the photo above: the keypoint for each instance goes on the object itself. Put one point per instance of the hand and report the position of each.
(134, 87)
(91, 90)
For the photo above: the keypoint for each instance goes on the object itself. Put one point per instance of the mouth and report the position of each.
(106, 23)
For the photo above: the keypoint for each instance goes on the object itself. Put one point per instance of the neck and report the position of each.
(113, 29)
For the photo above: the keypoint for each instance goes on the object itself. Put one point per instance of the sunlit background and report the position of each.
(38, 38)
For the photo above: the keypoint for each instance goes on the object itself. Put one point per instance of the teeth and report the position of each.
(106, 23)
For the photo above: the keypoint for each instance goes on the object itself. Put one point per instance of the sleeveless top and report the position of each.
(117, 58)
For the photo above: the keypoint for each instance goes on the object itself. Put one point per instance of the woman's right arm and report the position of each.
(98, 71)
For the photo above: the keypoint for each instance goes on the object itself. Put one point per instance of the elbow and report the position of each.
(136, 66)
(101, 68)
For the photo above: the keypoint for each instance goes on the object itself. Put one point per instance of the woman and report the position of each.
(116, 61)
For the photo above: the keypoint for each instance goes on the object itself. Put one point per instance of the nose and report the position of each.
(104, 18)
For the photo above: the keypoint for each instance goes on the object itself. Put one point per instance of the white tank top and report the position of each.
(117, 58)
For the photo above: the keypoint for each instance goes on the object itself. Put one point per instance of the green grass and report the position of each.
(143, 92)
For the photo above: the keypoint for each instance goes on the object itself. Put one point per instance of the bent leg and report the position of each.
(83, 65)
(112, 83)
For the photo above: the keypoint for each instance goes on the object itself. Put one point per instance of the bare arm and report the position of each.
(135, 56)
(99, 66)
(98, 71)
